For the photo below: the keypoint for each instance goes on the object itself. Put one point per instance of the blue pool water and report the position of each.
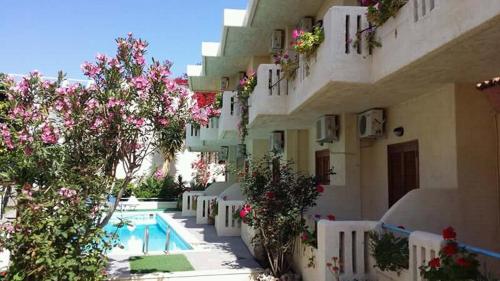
(132, 237)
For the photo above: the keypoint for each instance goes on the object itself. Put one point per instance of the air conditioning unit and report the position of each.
(277, 142)
(223, 154)
(371, 123)
(277, 40)
(224, 83)
(327, 129)
(306, 24)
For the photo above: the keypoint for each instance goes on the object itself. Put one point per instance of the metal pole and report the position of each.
(167, 242)
(145, 243)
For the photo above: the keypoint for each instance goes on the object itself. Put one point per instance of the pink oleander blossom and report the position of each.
(101, 58)
(50, 135)
(140, 83)
(67, 192)
(159, 174)
(6, 136)
(163, 121)
(90, 69)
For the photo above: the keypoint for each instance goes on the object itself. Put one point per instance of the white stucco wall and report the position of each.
(430, 119)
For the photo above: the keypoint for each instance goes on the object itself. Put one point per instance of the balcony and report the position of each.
(229, 118)
(440, 41)
(210, 132)
(337, 68)
(193, 140)
(269, 98)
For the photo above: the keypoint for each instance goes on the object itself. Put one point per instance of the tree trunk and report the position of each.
(5, 200)
(117, 202)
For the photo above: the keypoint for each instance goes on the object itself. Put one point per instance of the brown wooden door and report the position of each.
(403, 169)
(323, 166)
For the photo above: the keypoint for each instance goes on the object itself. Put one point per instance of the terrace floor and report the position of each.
(211, 253)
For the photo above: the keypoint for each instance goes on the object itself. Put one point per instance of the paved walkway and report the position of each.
(213, 253)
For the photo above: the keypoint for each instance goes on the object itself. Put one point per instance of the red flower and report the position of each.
(435, 263)
(463, 262)
(304, 236)
(270, 195)
(449, 233)
(3, 273)
(245, 211)
(320, 188)
(331, 217)
(450, 249)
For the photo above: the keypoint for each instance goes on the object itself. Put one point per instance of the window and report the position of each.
(323, 166)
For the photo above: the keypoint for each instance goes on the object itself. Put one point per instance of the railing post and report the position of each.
(145, 242)
(167, 242)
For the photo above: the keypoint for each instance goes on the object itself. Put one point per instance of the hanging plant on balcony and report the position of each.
(289, 64)
(379, 11)
(245, 89)
(217, 105)
(306, 43)
(453, 263)
(391, 253)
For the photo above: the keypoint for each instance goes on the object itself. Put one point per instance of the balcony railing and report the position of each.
(336, 60)
(270, 94)
(348, 241)
(424, 27)
(225, 222)
(193, 139)
(230, 116)
(204, 208)
(189, 199)
(210, 132)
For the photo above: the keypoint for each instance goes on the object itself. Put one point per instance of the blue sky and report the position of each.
(50, 35)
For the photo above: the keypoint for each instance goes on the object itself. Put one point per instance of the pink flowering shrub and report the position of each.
(64, 145)
(201, 174)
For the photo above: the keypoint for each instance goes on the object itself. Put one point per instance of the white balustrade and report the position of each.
(189, 203)
(348, 241)
(226, 224)
(193, 140)
(204, 208)
(422, 8)
(230, 116)
(210, 132)
(270, 94)
(337, 59)
(424, 246)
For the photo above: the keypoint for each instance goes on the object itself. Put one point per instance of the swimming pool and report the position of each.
(132, 237)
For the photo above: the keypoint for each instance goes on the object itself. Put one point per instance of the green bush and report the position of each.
(165, 188)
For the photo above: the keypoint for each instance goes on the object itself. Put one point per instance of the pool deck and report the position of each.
(212, 252)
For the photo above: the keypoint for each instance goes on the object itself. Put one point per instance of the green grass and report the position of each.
(163, 263)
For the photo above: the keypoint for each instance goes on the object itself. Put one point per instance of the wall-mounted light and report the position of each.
(399, 131)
